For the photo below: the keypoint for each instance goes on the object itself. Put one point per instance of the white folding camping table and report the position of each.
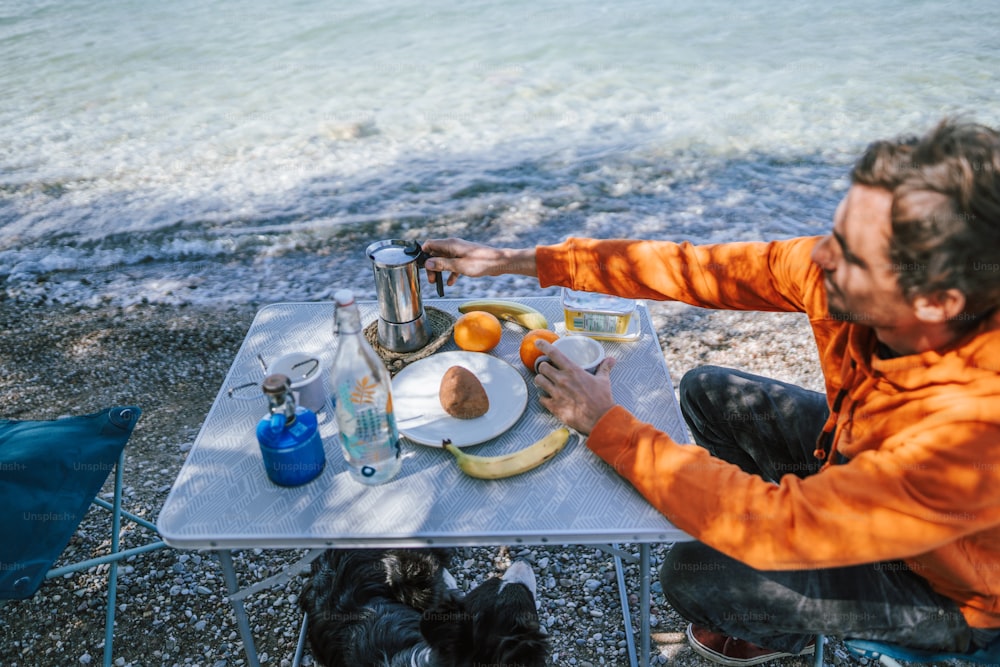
(222, 499)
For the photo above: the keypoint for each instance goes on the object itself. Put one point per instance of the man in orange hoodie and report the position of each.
(870, 511)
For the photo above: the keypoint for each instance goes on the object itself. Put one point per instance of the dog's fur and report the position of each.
(394, 608)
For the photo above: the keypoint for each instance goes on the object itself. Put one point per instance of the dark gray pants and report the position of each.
(770, 428)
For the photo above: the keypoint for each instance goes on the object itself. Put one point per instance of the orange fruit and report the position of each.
(529, 353)
(477, 331)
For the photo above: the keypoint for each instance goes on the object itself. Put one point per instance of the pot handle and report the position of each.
(414, 250)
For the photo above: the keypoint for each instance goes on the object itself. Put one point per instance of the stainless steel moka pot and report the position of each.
(402, 323)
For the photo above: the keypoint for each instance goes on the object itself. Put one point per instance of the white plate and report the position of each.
(418, 410)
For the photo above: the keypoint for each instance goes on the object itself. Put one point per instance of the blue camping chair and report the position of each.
(50, 474)
(887, 654)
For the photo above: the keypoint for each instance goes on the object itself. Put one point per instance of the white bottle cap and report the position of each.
(344, 297)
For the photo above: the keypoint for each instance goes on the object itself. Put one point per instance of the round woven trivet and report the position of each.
(440, 324)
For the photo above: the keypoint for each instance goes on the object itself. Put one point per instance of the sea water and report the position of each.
(191, 152)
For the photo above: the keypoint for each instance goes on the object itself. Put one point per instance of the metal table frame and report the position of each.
(222, 500)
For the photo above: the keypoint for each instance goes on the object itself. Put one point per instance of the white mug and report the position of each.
(582, 350)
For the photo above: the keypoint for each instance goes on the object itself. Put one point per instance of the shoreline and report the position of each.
(170, 361)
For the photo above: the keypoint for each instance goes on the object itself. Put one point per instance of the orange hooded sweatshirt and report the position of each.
(921, 432)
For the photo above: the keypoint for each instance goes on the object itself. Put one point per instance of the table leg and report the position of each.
(242, 622)
(623, 597)
(300, 647)
(644, 576)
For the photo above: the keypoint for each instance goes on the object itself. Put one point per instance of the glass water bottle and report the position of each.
(361, 396)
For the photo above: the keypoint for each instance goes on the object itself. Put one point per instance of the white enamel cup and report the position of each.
(582, 350)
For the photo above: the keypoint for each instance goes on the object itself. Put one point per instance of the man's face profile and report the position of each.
(860, 280)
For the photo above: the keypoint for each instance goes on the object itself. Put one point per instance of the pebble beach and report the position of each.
(171, 361)
(167, 170)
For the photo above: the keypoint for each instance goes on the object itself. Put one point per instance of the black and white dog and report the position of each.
(399, 608)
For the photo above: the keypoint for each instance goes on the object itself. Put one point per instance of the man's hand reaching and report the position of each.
(459, 257)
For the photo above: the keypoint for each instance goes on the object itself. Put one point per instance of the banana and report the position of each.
(518, 313)
(508, 465)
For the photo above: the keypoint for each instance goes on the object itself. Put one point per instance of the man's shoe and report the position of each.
(733, 652)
